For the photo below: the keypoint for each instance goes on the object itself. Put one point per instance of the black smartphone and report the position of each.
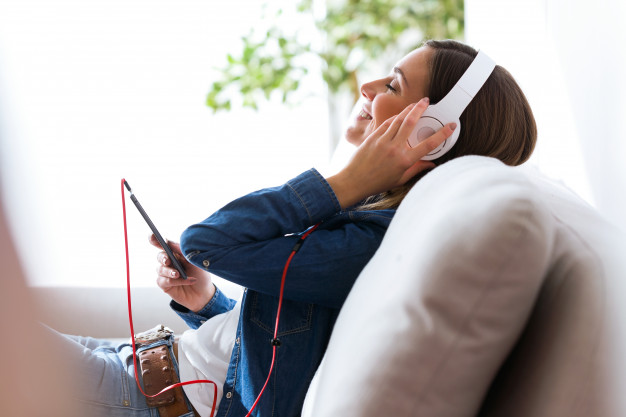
(162, 241)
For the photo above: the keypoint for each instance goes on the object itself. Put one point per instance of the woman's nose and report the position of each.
(368, 90)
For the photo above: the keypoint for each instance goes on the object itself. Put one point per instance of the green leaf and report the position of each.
(272, 55)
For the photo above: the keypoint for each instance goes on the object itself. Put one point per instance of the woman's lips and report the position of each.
(364, 115)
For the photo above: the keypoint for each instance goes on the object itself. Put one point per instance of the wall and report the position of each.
(569, 58)
(95, 91)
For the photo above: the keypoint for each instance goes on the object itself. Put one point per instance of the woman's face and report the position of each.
(387, 97)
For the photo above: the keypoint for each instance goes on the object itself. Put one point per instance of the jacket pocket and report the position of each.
(295, 316)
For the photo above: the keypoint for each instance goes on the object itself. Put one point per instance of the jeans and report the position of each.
(103, 380)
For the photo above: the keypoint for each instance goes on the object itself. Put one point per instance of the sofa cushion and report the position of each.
(569, 360)
(439, 307)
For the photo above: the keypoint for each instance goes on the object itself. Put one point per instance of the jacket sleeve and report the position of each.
(249, 241)
(219, 304)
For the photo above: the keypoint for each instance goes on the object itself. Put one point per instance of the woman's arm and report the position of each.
(249, 240)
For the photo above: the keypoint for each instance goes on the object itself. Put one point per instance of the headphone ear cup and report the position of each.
(425, 128)
(447, 144)
(430, 122)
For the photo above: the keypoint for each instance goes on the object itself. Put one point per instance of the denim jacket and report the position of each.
(248, 242)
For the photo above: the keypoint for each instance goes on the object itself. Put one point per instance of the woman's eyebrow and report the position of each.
(399, 71)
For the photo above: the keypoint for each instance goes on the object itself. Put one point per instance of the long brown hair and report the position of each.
(498, 122)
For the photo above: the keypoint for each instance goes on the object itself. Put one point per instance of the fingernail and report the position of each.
(453, 126)
(173, 273)
(425, 100)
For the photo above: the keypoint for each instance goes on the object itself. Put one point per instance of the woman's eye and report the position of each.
(391, 88)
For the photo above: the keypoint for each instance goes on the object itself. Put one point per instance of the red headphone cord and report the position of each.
(132, 329)
(275, 341)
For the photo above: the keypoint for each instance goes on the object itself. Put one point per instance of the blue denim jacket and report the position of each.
(248, 242)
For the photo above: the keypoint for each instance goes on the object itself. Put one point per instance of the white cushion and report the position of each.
(441, 304)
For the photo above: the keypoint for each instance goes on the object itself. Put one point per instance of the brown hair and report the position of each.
(498, 122)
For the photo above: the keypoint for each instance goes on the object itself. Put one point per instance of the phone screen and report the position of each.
(162, 241)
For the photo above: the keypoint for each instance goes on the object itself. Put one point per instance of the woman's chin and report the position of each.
(355, 135)
(358, 131)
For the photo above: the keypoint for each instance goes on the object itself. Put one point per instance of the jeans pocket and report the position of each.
(295, 316)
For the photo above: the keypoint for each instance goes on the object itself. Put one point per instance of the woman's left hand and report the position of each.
(385, 160)
(195, 291)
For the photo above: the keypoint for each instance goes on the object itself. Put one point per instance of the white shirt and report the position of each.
(205, 353)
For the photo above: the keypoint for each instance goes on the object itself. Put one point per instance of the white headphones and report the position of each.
(449, 109)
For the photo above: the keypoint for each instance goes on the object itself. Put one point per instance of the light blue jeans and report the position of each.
(103, 377)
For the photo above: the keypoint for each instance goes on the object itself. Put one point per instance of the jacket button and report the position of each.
(229, 394)
(206, 263)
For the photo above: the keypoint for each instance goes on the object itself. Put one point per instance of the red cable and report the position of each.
(132, 330)
(280, 303)
(205, 381)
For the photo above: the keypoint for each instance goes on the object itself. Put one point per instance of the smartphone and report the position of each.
(162, 241)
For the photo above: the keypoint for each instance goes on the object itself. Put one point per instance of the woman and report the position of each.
(249, 240)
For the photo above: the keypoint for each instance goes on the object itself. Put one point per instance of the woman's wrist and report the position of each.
(347, 193)
(205, 300)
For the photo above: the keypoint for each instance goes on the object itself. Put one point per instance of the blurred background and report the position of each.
(195, 103)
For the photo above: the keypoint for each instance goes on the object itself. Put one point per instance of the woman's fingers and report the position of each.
(175, 247)
(430, 144)
(400, 127)
(398, 121)
(154, 242)
(389, 127)
(166, 271)
(169, 277)
(162, 256)
(409, 121)
(402, 124)
(168, 284)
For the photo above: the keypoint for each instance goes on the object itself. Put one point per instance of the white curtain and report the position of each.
(570, 58)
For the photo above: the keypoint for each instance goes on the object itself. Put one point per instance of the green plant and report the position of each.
(351, 33)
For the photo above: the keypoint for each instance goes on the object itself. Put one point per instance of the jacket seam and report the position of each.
(302, 203)
(329, 190)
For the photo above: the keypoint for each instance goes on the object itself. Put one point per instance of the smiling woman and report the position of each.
(386, 97)
(499, 117)
(252, 241)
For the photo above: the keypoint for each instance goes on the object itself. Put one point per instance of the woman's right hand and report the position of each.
(195, 291)
(385, 159)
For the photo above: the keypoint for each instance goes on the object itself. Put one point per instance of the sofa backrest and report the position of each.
(495, 293)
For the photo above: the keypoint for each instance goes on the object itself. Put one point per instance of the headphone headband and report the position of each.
(449, 108)
(468, 85)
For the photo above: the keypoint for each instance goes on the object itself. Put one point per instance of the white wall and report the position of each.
(569, 57)
(94, 91)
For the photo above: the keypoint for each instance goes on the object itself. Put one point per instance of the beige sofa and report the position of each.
(496, 292)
